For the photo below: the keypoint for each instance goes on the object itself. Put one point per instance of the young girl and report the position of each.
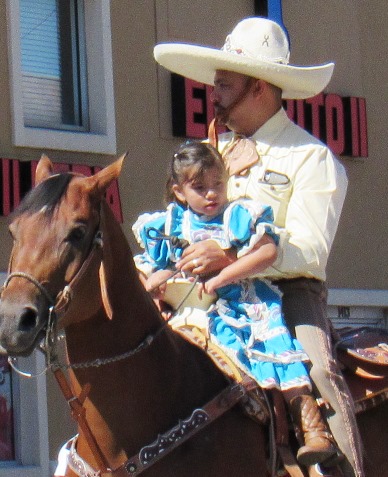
(246, 320)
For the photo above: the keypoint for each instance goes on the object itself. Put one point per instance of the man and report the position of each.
(283, 166)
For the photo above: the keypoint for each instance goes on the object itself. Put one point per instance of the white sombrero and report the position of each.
(257, 47)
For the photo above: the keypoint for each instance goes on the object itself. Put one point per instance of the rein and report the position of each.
(176, 242)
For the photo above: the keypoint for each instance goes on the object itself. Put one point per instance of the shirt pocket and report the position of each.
(275, 189)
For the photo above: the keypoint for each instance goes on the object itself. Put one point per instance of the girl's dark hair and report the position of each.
(195, 157)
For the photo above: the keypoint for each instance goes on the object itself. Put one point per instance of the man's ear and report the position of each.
(178, 193)
(259, 86)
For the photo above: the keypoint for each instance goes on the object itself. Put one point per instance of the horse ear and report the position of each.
(44, 169)
(102, 180)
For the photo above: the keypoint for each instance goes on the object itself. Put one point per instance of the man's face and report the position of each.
(230, 91)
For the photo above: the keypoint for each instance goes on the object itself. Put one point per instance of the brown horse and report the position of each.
(147, 378)
(132, 377)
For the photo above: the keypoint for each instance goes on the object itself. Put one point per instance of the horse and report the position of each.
(146, 400)
(132, 376)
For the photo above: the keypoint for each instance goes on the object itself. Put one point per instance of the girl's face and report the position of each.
(206, 194)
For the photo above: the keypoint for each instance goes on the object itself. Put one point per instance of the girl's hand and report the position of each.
(203, 288)
(210, 286)
(156, 283)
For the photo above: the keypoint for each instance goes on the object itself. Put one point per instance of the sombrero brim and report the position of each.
(200, 63)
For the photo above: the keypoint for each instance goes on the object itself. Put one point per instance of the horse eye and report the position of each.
(77, 234)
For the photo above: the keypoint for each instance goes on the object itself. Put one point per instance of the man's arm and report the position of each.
(312, 216)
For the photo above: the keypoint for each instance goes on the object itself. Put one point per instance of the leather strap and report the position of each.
(281, 430)
(79, 415)
(147, 456)
(215, 408)
(165, 443)
(281, 436)
(212, 133)
(65, 297)
(289, 461)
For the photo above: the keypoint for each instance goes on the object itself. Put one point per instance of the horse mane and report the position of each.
(45, 196)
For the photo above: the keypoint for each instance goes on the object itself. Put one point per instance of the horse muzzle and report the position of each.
(22, 321)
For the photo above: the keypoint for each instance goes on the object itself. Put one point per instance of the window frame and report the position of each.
(101, 137)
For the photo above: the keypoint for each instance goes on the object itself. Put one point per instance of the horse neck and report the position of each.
(134, 314)
(126, 392)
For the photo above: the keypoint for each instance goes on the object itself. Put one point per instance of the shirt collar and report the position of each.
(267, 134)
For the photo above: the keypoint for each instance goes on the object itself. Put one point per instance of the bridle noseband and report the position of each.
(57, 306)
(31, 279)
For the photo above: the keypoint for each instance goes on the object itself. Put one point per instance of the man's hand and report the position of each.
(205, 257)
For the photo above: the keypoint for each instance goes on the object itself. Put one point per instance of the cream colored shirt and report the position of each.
(305, 184)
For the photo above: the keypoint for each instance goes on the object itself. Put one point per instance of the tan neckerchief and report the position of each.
(240, 155)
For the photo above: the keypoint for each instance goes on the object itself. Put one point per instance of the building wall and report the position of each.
(350, 32)
(345, 32)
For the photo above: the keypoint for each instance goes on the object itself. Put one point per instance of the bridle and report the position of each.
(57, 309)
(165, 443)
(59, 305)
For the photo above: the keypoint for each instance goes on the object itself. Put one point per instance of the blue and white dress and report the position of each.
(246, 320)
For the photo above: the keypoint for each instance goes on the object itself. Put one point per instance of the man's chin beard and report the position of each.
(222, 118)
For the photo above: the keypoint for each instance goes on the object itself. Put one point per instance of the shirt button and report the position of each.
(237, 184)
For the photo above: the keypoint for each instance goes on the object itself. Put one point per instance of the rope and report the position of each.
(31, 279)
(176, 242)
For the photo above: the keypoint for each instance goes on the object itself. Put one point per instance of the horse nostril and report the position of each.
(28, 319)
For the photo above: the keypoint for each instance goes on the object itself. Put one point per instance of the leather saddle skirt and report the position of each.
(363, 353)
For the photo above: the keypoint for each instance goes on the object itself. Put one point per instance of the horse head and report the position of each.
(56, 233)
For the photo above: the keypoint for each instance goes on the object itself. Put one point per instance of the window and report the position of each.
(53, 64)
(61, 75)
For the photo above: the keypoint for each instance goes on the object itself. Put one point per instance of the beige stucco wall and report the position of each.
(350, 32)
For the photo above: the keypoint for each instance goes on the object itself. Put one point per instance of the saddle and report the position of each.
(265, 407)
(192, 327)
(363, 354)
